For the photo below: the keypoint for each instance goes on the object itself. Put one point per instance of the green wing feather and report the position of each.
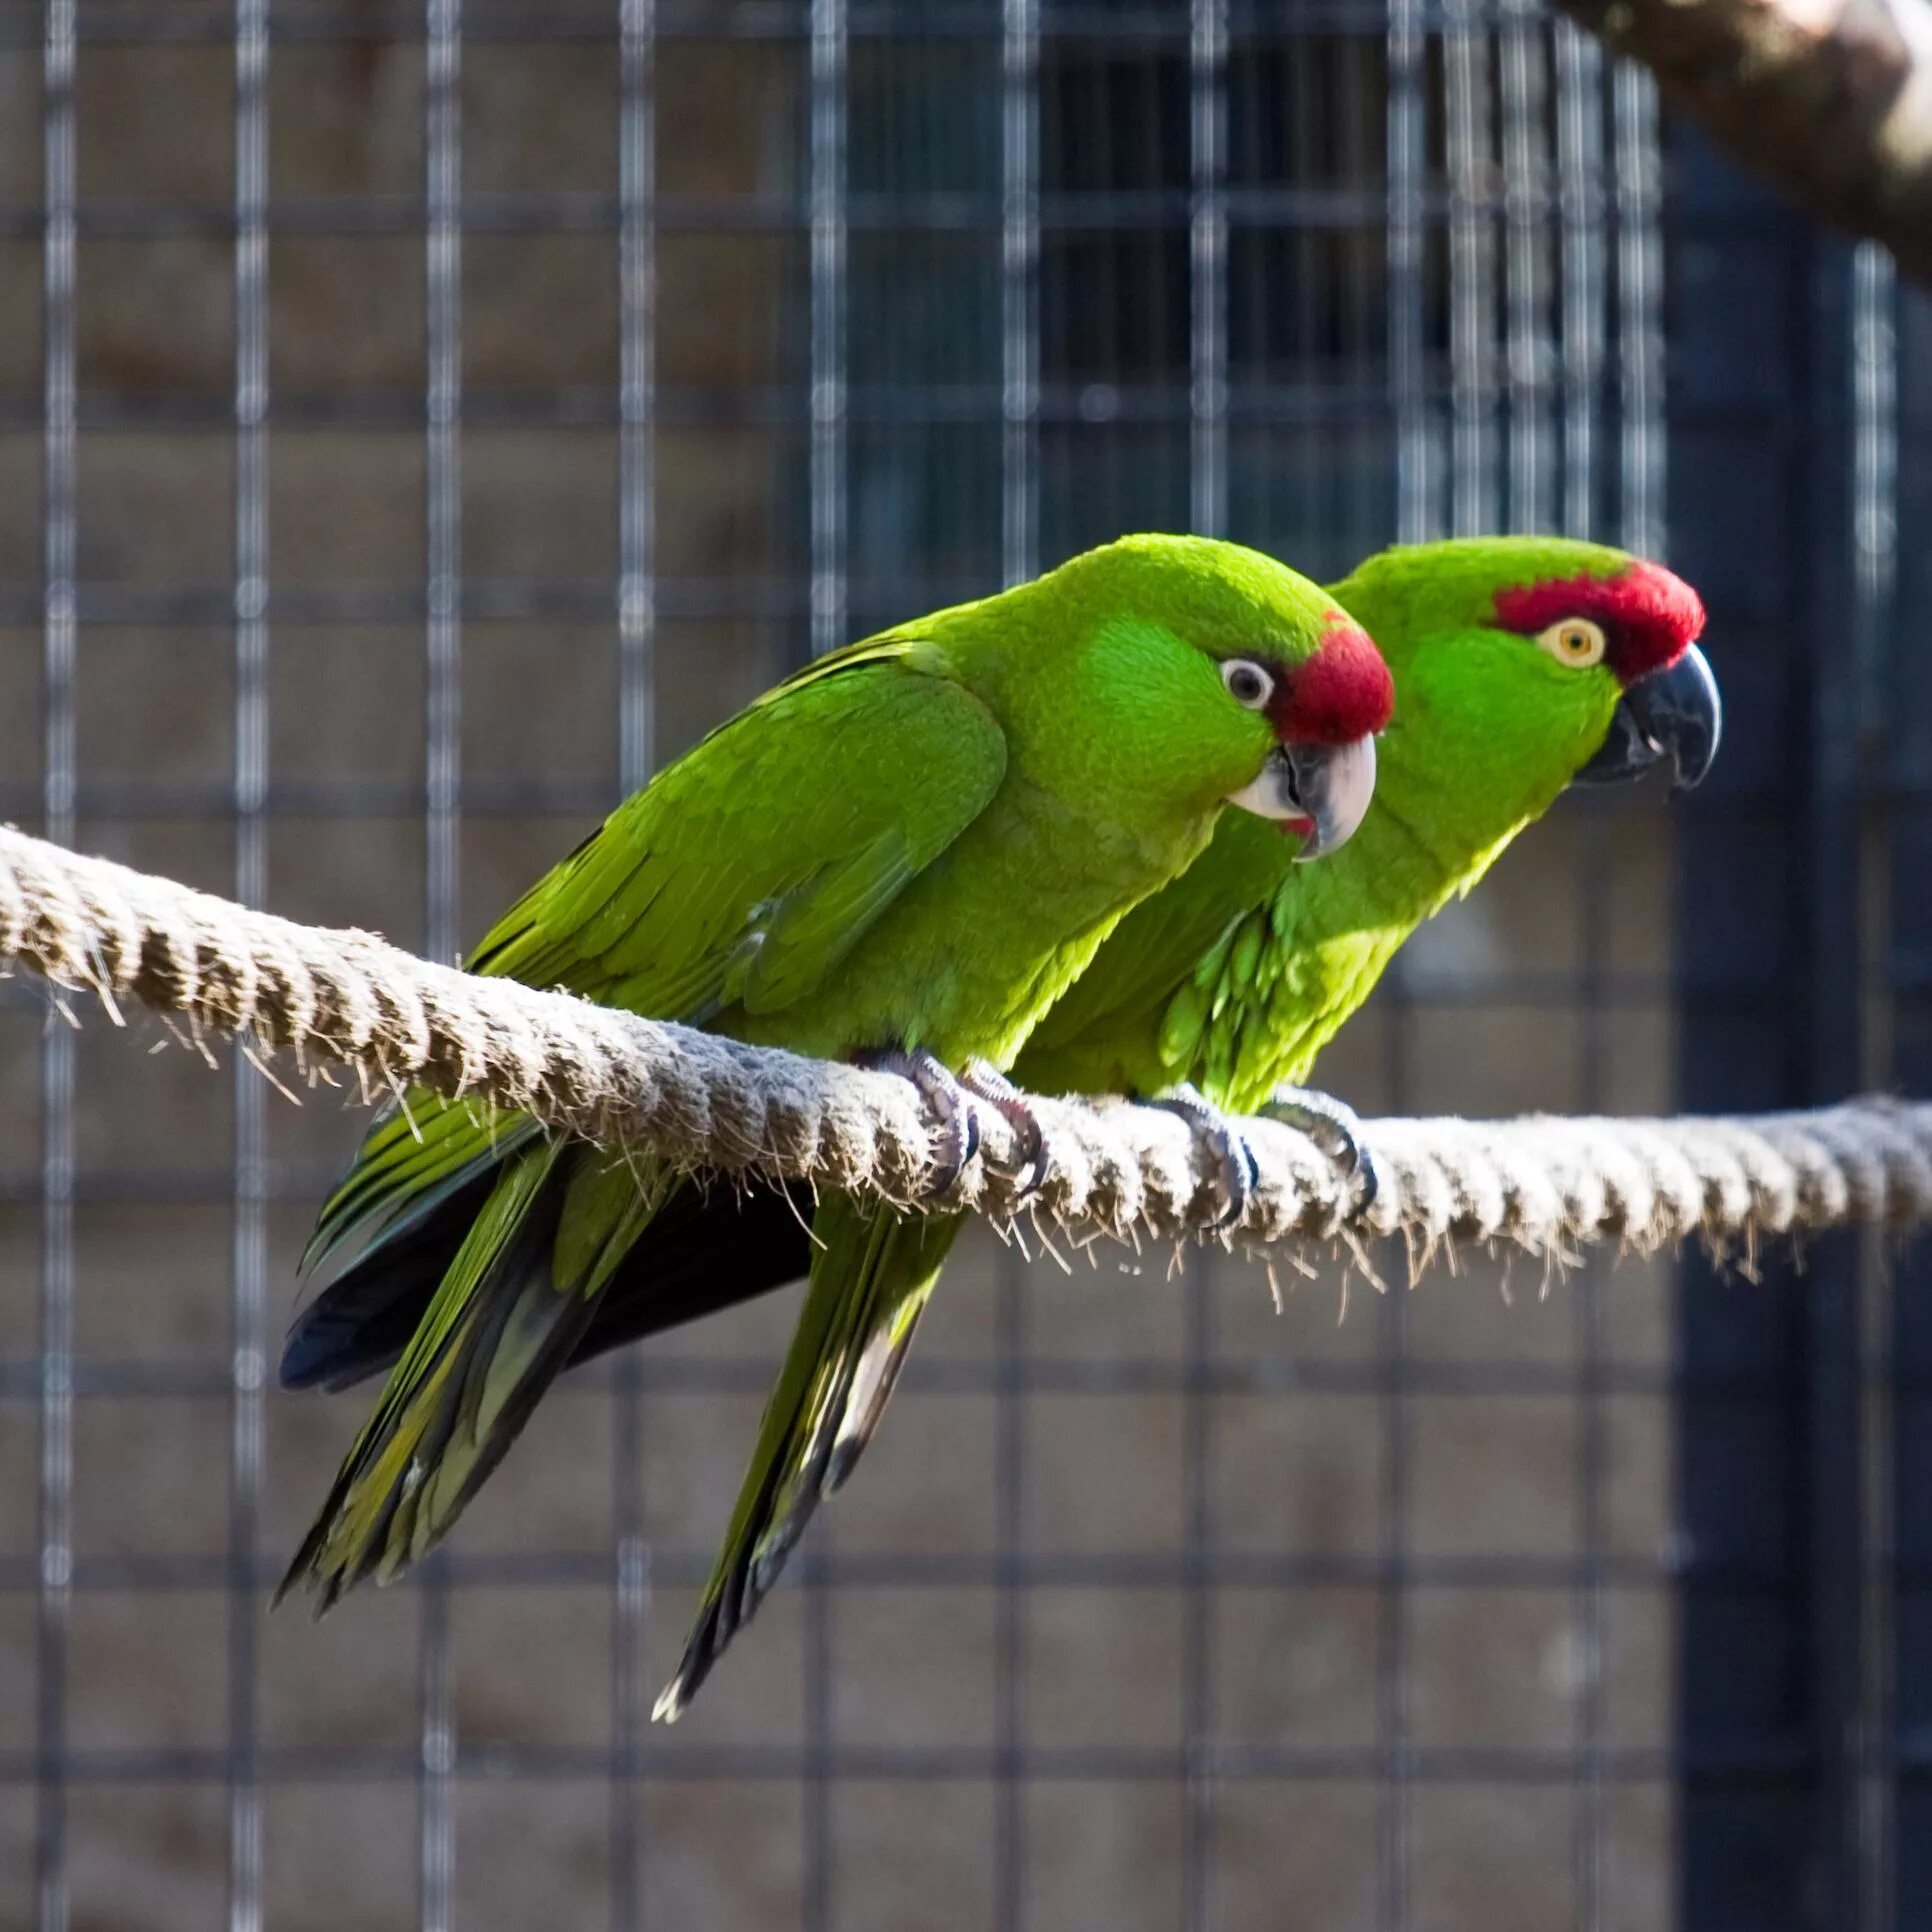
(742, 876)
(761, 857)
(872, 1274)
(423, 1150)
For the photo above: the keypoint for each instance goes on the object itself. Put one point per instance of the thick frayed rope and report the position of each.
(1547, 1186)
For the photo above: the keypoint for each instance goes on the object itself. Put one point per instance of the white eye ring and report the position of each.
(1247, 683)
(1574, 641)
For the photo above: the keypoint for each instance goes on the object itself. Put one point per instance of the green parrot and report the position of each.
(902, 855)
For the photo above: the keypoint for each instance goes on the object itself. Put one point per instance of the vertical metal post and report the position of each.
(1874, 561)
(1472, 349)
(1019, 289)
(1642, 505)
(250, 1285)
(826, 200)
(1579, 124)
(1579, 361)
(1579, 134)
(636, 753)
(1875, 448)
(1415, 514)
(1640, 330)
(1893, 470)
(1636, 191)
(59, 646)
(1527, 184)
(1019, 560)
(1208, 506)
(1208, 251)
(1417, 517)
(826, 207)
(442, 268)
(637, 391)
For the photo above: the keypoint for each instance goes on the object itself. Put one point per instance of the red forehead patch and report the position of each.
(1342, 693)
(1649, 616)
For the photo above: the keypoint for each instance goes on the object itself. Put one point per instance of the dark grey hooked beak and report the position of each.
(1675, 713)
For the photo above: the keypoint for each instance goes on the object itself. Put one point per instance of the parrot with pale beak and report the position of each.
(901, 856)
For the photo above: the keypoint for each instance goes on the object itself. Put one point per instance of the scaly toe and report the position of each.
(987, 1083)
(959, 1129)
(1239, 1168)
(1337, 1131)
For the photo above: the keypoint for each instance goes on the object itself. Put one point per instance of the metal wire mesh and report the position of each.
(438, 414)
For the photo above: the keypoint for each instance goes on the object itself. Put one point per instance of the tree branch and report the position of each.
(1830, 100)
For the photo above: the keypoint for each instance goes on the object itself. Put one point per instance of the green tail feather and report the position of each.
(871, 1276)
(417, 1154)
(512, 1306)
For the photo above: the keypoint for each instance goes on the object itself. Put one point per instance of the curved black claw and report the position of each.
(947, 1097)
(987, 1083)
(1239, 1168)
(1337, 1131)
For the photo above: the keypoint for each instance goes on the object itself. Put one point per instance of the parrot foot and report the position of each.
(1337, 1131)
(987, 1083)
(959, 1134)
(1239, 1169)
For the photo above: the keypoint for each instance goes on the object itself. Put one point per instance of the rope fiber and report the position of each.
(1544, 1185)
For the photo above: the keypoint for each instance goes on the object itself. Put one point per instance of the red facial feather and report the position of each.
(1649, 616)
(1341, 693)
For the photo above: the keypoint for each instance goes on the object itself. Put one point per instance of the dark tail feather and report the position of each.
(704, 1253)
(367, 1523)
(361, 1322)
(515, 1301)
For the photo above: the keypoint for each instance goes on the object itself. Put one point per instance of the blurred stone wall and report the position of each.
(1293, 1412)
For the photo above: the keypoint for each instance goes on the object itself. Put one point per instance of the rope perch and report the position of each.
(1543, 1185)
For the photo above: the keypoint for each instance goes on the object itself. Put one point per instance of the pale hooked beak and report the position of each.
(1321, 792)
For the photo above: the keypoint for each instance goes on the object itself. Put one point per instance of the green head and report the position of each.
(1167, 674)
(1522, 664)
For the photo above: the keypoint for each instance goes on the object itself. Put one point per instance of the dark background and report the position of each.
(415, 425)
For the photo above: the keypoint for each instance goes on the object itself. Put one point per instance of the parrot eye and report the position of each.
(1248, 684)
(1574, 641)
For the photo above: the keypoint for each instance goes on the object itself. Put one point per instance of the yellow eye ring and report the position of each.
(1574, 641)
